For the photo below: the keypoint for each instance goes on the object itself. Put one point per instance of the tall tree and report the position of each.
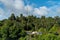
(12, 17)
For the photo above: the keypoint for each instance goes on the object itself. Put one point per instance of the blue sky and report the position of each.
(33, 7)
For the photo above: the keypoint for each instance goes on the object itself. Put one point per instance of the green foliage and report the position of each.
(54, 28)
(14, 28)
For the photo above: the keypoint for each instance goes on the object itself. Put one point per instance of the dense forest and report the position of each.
(18, 28)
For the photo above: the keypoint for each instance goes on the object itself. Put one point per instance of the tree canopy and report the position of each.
(15, 27)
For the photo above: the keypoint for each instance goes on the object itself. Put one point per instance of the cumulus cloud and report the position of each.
(19, 4)
(7, 2)
(28, 8)
(18, 7)
(41, 10)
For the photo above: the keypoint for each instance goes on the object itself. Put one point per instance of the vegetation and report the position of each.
(15, 27)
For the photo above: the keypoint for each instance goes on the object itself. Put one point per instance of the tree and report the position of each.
(12, 17)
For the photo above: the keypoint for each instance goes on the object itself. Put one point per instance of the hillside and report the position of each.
(22, 28)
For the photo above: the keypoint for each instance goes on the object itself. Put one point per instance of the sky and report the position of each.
(29, 7)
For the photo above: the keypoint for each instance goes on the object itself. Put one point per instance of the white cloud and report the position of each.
(18, 6)
(58, 10)
(28, 8)
(7, 2)
(41, 11)
(55, 9)
(1, 11)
